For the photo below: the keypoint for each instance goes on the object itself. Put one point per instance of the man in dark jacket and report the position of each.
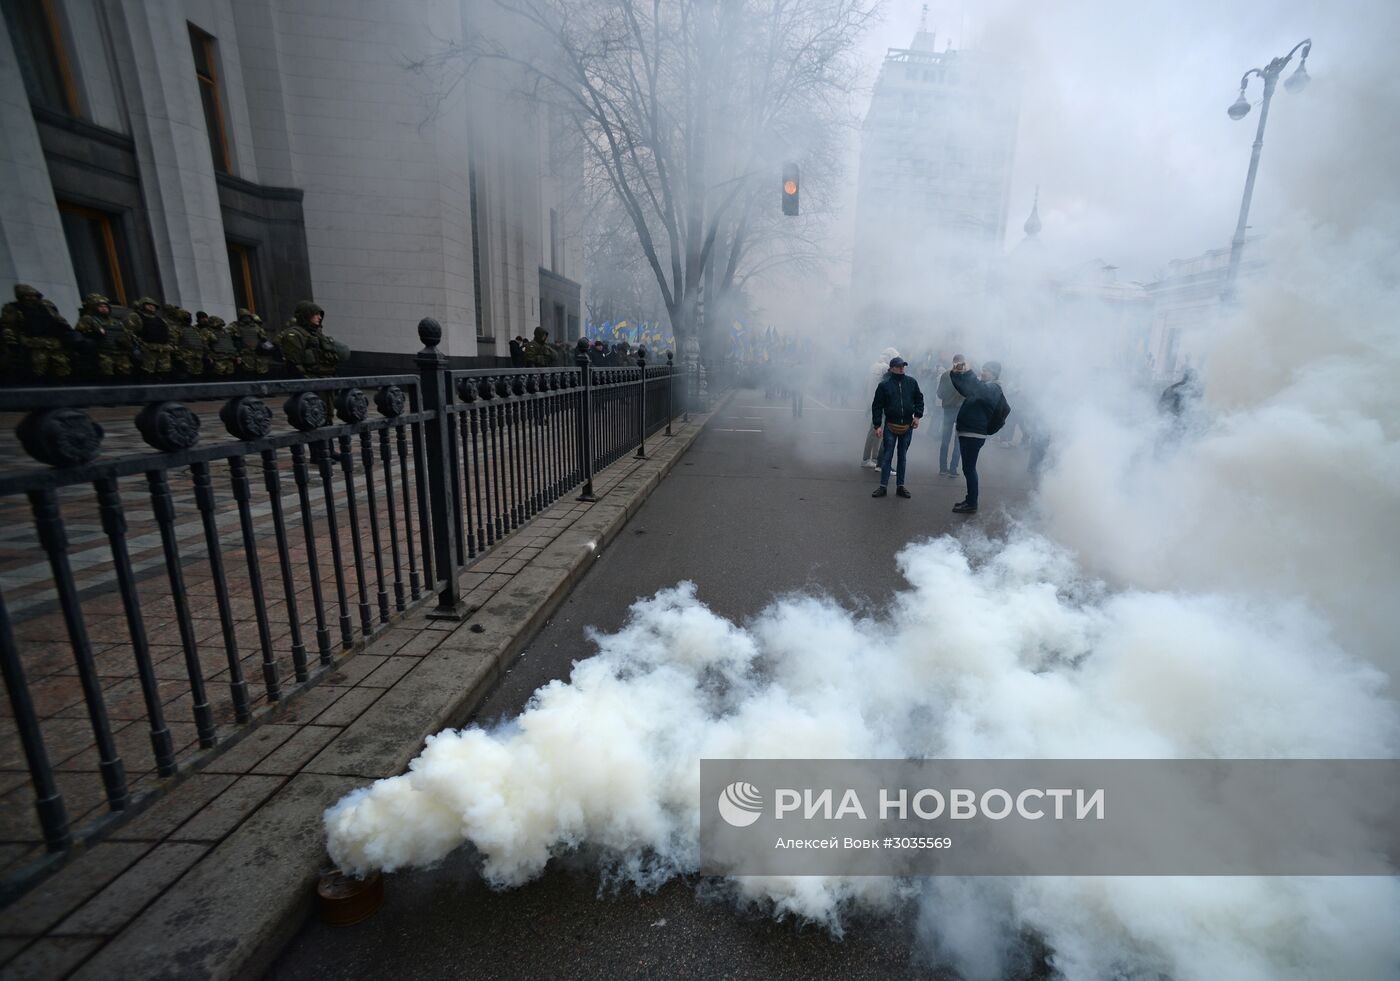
(895, 413)
(983, 413)
(1177, 399)
(952, 401)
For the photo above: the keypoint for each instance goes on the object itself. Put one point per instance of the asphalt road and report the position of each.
(762, 504)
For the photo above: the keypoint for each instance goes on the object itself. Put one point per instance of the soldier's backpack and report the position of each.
(223, 342)
(248, 335)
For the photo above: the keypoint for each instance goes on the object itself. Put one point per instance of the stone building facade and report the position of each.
(227, 153)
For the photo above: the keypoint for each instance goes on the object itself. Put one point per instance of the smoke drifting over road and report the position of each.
(998, 649)
(1226, 591)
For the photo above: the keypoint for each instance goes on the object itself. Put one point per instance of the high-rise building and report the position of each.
(228, 153)
(935, 178)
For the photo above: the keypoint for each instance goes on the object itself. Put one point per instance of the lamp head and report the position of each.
(1298, 81)
(1241, 107)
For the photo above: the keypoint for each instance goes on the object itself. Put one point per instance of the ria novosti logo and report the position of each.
(740, 804)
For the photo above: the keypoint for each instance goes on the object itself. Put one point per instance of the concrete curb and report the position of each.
(230, 914)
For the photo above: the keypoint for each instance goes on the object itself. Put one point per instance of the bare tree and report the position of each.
(686, 110)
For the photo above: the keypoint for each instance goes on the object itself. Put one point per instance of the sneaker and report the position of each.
(879, 491)
(871, 464)
(950, 473)
(962, 507)
(901, 492)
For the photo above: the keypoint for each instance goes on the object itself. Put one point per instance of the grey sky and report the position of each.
(1124, 127)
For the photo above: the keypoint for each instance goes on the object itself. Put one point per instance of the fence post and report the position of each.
(642, 432)
(670, 374)
(432, 373)
(585, 425)
(53, 819)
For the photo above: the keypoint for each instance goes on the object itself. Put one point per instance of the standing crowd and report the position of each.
(156, 342)
(540, 353)
(974, 410)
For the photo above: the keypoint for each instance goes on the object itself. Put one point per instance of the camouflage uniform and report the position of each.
(106, 339)
(191, 342)
(224, 356)
(253, 343)
(152, 338)
(33, 327)
(538, 353)
(309, 351)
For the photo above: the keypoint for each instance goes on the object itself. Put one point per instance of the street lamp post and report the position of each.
(1269, 74)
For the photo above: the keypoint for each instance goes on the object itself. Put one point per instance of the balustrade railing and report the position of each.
(155, 594)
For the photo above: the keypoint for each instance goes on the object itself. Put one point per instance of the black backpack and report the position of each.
(999, 415)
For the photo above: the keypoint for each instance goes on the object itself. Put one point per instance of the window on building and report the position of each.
(42, 54)
(98, 249)
(241, 264)
(206, 72)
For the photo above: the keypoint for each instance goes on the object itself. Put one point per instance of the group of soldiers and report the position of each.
(156, 342)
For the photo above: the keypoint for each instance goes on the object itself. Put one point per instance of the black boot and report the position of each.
(879, 491)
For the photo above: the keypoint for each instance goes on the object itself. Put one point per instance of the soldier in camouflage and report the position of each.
(308, 350)
(33, 329)
(253, 344)
(152, 337)
(538, 353)
(106, 340)
(191, 342)
(224, 355)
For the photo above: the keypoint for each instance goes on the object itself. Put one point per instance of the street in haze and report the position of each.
(441, 450)
(762, 504)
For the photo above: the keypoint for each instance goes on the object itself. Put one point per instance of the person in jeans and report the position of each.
(951, 400)
(983, 412)
(895, 413)
(879, 371)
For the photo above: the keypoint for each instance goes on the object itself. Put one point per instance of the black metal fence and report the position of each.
(173, 599)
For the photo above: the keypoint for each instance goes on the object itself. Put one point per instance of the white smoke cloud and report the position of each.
(996, 650)
(1290, 483)
(1225, 593)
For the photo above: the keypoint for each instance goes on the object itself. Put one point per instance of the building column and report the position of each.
(33, 248)
(156, 69)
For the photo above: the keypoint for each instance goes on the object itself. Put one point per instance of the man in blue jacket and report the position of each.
(895, 413)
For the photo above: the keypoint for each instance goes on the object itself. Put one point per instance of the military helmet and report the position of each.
(181, 315)
(305, 310)
(146, 301)
(24, 289)
(541, 335)
(245, 314)
(214, 323)
(94, 300)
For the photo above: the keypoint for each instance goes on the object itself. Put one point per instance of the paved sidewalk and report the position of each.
(213, 878)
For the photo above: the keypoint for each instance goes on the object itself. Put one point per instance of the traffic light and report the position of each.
(790, 189)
